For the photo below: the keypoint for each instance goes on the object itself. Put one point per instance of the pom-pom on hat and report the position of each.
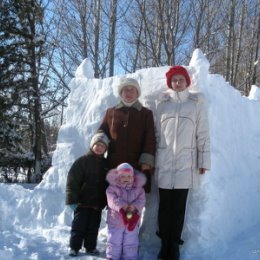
(99, 137)
(128, 82)
(177, 70)
(125, 168)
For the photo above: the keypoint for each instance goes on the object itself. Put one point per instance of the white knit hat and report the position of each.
(99, 137)
(128, 82)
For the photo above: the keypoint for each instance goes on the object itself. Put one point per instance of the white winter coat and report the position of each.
(183, 139)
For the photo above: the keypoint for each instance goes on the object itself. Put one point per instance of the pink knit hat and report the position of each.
(177, 70)
(125, 168)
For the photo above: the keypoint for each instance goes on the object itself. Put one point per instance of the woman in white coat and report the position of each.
(183, 153)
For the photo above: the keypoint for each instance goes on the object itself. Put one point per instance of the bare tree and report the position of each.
(238, 45)
(255, 76)
(230, 42)
(155, 32)
(112, 35)
(97, 21)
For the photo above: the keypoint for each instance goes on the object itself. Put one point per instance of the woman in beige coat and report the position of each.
(183, 153)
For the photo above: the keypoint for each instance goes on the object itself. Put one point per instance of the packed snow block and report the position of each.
(254, 93)
(85, 70)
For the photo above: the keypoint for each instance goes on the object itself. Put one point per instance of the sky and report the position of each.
(223, 213)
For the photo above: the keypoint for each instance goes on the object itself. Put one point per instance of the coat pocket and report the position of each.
(161, 159)
(186, 159)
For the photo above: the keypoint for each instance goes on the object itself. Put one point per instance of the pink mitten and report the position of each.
(123, 215)
(132, 222)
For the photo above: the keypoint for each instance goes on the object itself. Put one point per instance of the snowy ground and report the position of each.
(223, 217)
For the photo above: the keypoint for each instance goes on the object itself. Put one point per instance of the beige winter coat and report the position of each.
(183, 139)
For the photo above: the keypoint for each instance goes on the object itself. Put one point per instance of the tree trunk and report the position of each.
(254, 76)
(96, 37)
(238, 50)
(112, 36)
(229, 50)
(36, 100)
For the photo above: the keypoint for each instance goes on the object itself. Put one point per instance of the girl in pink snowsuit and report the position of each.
(126, 199)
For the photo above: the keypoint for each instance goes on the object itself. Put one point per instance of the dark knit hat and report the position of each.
(99, 137)
(177, 70)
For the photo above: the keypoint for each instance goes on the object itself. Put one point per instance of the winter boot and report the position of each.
(93, 252)
(163, 253)
(73, 252)
(174, 252)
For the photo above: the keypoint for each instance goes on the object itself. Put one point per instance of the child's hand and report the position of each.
(73, 206)
(133, 221)
(131, 208)
(130, 211)
(125, 207)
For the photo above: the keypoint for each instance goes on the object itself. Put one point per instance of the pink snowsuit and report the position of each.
(122, 244)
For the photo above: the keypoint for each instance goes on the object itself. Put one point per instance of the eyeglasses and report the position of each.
(181, 81)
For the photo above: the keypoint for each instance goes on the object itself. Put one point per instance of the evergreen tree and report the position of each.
(21, 52)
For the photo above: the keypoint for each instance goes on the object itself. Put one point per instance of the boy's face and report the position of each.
(129, 94)
(99, 148)
(126, 178)
(178, 83)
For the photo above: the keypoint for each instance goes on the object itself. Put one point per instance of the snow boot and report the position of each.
(174, 252)
(73, 252)
(93, 252)
(163, 253)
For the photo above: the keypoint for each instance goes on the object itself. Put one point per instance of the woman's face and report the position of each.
(178, 83)
(129, 94)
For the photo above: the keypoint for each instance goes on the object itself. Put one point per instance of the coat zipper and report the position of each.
(175, 139)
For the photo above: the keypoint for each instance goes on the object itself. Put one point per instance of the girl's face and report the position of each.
(178, 83)
(126, 178)
(99, 148)
(129, 94)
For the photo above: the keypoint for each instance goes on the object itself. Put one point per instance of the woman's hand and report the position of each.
(145, 167)
(202, 170)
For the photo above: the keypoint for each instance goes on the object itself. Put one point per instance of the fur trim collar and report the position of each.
(137, 105)
(139, 178)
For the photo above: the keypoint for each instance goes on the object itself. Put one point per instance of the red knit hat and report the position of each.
(177, 70)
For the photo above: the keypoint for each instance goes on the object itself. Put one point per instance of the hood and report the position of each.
(139, 178)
